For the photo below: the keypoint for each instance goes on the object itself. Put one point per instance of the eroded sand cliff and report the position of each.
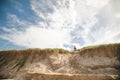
(90, 63)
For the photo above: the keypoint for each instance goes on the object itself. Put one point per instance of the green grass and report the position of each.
(97, 46)
(22, 56)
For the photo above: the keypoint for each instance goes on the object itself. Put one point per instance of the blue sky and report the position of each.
(58, 23)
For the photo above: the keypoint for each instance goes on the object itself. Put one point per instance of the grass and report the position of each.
(22, 61)
(97, 46)
(22, 56)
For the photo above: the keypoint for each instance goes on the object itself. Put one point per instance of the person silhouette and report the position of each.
(75, 48)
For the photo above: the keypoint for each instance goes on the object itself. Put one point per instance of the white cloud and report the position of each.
(35, 37)
(15, 21)
(89, 21)
(97, 3)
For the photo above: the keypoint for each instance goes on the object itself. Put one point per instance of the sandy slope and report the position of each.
(91, 63)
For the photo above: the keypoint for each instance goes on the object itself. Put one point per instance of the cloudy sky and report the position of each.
(58, 23)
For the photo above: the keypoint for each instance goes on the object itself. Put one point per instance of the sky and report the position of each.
(58, 23)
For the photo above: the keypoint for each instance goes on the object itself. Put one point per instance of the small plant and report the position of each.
(22, 61)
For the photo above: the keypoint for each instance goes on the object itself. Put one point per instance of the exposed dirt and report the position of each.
(96, 63)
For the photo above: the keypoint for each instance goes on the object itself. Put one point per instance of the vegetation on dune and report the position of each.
(98, 46)
(22, 56)
(22, 61)
(86, 60)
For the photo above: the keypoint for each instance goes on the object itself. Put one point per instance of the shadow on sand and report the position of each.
(118, 57)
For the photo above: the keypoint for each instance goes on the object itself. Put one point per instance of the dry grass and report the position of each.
(93, 57)
(98, 46)
(22, 56)
(106, 50)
